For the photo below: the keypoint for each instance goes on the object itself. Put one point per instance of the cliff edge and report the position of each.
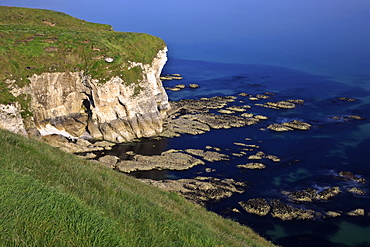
(78, 79)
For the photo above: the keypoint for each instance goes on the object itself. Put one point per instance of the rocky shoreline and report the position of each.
(195, 117)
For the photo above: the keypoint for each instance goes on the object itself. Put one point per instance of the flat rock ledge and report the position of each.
(173, 160)
(252, 166)
(200, 189)
(207, 155)
(77, 145)
(193, 117)
(285, 104)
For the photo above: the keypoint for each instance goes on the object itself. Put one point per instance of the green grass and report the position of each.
(34, 41)
(51, 198)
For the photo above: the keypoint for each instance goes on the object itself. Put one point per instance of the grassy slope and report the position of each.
(33, 41)
(50, 198)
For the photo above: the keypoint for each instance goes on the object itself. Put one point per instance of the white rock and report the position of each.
(109, 59)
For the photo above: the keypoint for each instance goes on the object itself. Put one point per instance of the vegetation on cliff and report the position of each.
(51, 198)
(33, 41)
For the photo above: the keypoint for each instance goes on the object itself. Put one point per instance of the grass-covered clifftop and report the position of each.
(51, 198)
(33, 41)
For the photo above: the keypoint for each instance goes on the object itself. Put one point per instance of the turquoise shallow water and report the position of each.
(310, 49)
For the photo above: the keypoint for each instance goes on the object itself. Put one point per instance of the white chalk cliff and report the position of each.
(74, 105)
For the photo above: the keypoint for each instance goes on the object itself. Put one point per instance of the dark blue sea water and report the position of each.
(309, 49)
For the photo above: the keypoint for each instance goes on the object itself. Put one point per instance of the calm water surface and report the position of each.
(309, 49)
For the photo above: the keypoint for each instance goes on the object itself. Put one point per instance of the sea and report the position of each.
(314, 50)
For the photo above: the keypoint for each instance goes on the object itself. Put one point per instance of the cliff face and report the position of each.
(78, 79)
(73, 105)
(11, 119)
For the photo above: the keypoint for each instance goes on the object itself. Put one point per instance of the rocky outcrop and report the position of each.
(11, 119)
(257, 206)
(73, 105)
(200, 189)
(309, 194)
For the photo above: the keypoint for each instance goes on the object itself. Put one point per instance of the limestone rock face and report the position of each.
(10, 119)
(73, 105)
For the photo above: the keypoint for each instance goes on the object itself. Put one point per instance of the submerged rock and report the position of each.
(346, 118)
(346, 99)
(349, 176)
(200, 189)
